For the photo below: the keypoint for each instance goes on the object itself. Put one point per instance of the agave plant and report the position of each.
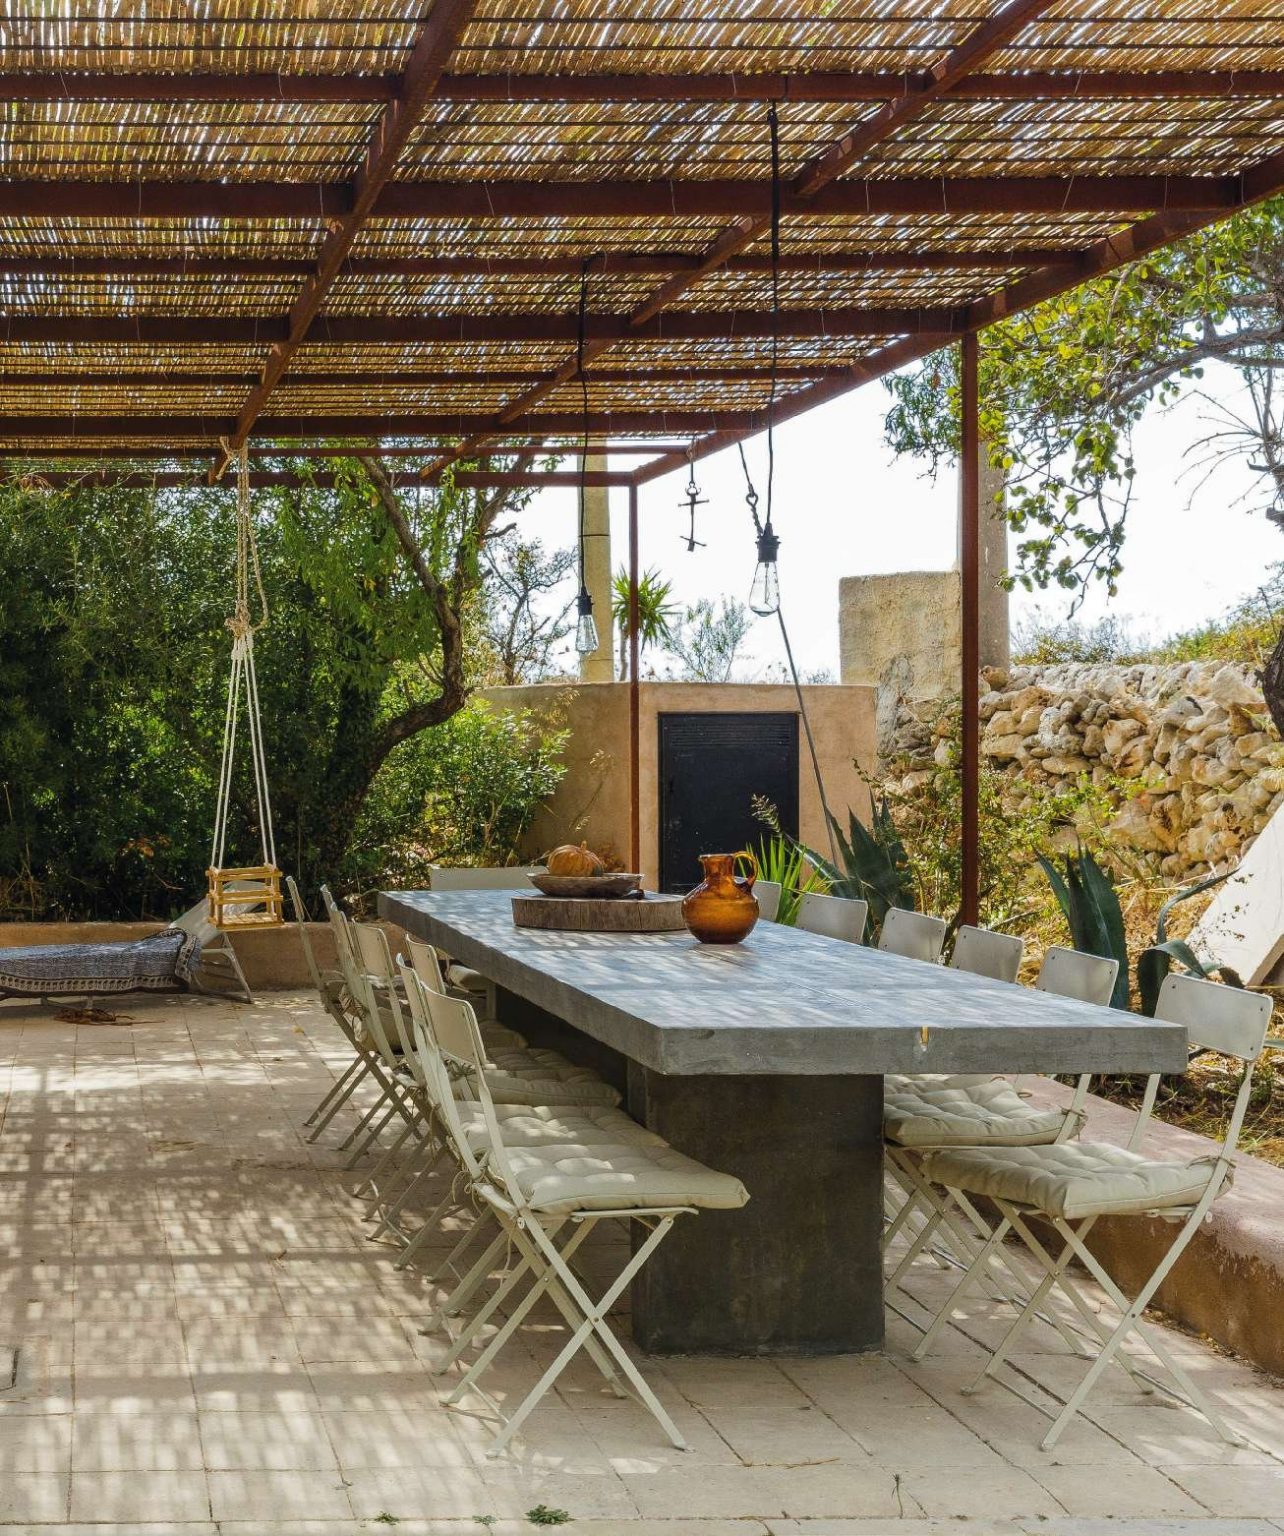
(789, 865)
(1155, 963)
(1090, 903)
(875, 866)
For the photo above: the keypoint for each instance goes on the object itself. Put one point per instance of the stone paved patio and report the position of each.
(208, 1341)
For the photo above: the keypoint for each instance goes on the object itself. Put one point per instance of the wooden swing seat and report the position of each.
(249, 897)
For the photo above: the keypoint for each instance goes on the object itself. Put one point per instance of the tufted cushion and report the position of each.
(523, 1125)
(633, 1176)
(531, 1076)
(964, 1111)
(495, 1037)
(1073, 1179)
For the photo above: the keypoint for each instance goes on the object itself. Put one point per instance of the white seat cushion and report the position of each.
(523, 1125)
(964, 1111)
(531, 1076)
(627, 1176)
(1073, 1179)
(498, 1037)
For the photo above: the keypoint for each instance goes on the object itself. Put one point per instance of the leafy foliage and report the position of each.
(522, 634)
(707, 641)
(657, 613)
(1064, 385)
(113, 669)
(464, 793)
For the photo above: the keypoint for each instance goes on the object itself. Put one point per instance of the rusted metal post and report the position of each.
(970, 572)
(635, 701)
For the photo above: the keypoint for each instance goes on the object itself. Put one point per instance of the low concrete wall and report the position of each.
(592, 802)
(272, 958)
(1229, 1283)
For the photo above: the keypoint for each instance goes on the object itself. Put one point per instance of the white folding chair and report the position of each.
(535, 1195)
(441, 1041)
(836, 917)
(339, 993)
(478, 988)
(767, 893)
(330, 990)
(986, 953)
(916, 935)
(1072, 973)
(984, 1112)
(1070, 1186)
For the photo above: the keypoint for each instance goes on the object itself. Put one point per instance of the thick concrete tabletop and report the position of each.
(782, 1003)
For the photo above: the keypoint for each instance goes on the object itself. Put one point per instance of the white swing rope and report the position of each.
(244, 678)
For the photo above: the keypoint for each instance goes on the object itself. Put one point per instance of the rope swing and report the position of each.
(249, 895)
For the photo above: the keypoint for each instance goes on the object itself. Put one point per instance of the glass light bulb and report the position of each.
(764, 594)
(586, 641)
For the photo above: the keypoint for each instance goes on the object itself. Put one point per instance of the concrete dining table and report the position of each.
(766, 1059)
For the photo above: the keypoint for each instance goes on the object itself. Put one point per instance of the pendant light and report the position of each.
(764, 593)
(586, 637)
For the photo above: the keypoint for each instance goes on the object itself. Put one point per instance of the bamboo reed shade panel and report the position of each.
(178, 178)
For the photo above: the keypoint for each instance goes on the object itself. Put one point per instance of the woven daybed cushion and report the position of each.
(161, 963)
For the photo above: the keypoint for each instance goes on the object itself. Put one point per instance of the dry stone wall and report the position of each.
(1192, 739)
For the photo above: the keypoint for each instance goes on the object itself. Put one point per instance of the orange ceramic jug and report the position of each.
(722, 909)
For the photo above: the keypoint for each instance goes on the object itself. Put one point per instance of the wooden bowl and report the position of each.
(588, 885)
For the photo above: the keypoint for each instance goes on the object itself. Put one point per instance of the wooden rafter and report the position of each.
(820, 174)
(176, 429)
(747, 202)
(620, 263)
(391, 330)
(1264, 180)
(438, 35)
(831, 85)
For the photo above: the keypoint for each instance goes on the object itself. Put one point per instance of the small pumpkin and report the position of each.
(570, 859)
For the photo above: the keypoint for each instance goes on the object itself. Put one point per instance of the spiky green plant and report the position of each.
(788, 864)
(874, 865)
(1154, 963)
(1087, 897)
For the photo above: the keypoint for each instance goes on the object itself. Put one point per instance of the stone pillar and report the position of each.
(995, 649)
(599, 667)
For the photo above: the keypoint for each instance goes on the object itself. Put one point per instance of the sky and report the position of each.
(845, 506)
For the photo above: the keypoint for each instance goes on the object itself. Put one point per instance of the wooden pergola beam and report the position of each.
(437, 36)
(622, 264)
(154, 453)
(59, 479)
(407, 330)
(412, 378)
(163, 430)
(829, 85)
(746, 201)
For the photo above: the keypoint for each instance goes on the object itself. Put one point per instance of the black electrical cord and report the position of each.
(581, 327)
(763, 528)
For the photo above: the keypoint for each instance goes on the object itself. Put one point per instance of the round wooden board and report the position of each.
(652, 914)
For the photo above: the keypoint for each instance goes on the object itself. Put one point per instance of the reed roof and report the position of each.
(229, 219)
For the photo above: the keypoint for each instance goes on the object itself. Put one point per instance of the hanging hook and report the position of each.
(693, 500)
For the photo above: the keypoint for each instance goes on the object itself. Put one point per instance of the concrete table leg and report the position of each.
(797, 1270)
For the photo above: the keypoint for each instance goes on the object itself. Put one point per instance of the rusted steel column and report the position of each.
(635, 705)
(970, 571)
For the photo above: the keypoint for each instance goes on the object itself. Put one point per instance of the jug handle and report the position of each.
(750, 881)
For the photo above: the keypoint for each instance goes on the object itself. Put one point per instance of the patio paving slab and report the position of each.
(210, 1343)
